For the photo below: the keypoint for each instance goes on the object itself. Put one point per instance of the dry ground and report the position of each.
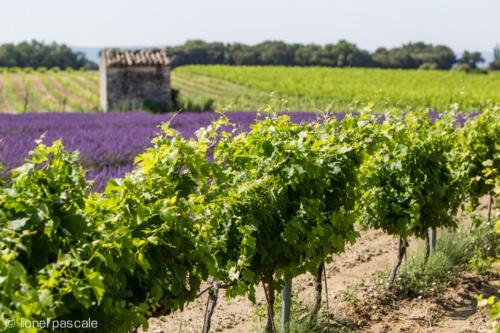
(373, 310)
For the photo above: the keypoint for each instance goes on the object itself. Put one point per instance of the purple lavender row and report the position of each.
(109, 142)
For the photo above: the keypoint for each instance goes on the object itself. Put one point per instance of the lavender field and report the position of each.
(108, 143)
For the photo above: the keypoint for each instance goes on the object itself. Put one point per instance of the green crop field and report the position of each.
(255, 88)
(338, 89)
(43, 91)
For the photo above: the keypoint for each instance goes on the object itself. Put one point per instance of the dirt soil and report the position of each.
(356, 296)
(453, 309)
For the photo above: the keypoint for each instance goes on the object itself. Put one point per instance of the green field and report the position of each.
(255, 88)
(338, 89)
(42, 91)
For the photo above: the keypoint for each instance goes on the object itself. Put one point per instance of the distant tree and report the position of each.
(275, 53)
(345, 54)
(38, 54)
(444, 57)
(394, 58)
(472, 59)
(197, 52)
(309, 55)
(495, 64)
(414, 55)
(340, 54)
(241, 54)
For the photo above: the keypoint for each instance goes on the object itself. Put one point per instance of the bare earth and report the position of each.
(452, 310)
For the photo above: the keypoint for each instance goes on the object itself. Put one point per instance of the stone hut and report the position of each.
(135, 80)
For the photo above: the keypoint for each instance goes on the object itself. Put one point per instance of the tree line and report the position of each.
(416, 55)
(36, 54)
(342, 54)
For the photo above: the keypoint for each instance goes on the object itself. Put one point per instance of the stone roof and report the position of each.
(135, 58)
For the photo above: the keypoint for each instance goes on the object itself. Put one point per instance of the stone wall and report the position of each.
(136, 88)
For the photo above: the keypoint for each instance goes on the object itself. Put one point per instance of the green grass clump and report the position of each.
(454, 252)
(301, 318)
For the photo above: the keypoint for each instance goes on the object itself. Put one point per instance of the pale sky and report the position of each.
(460, 24)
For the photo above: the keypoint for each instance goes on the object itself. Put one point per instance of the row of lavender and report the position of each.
(108, 143)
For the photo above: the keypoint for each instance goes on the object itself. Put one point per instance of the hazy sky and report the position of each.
(460, 24)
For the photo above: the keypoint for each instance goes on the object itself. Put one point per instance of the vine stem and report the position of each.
(318, 290)
(286, 305)
(326, 297)
(213, 296)
(427, 253)
(270, 310)
(405, 274)
(401, 253)
(490, 204)
(212, 299)
(221, 286)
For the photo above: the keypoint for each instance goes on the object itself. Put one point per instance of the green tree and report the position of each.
(241, 54)
(495, 64)
(197, 52)
(275, 53)
(414, 55)
(471, 59)
(38, 54)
